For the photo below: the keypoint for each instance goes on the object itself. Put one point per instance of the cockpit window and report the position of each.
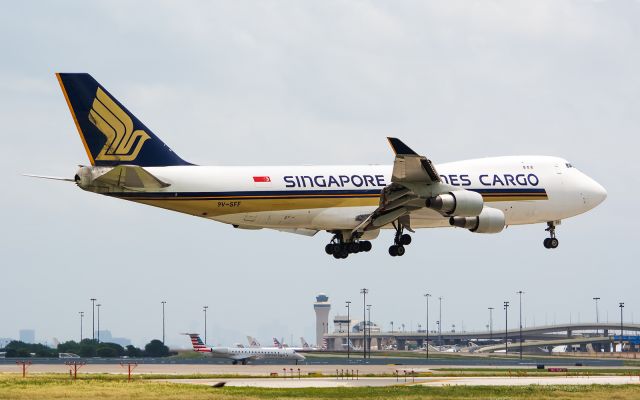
(568, 165)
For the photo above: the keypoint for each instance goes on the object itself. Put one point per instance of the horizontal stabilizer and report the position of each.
(131, 176)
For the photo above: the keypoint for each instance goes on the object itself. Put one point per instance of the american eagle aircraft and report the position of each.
(244, 354)
(351, 202)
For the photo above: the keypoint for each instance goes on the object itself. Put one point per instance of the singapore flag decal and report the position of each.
(262, 181)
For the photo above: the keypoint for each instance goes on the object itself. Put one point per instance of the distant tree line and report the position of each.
(86, 348)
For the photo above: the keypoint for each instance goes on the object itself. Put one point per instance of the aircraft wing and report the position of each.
(240, 357)
(413, 179)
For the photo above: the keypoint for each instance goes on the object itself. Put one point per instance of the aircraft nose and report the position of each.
(594, 193)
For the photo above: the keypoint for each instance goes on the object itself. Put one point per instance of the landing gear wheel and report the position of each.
(553, 243)
(234, 362)
(405, 240)
(400, 251)
(244, 362)
(353, 247)
(365, 246)
(337, 248)
(546, 243)
(393, 250)
(329, 248)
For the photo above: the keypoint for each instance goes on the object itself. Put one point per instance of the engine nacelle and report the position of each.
(461, 203)
(490, 220)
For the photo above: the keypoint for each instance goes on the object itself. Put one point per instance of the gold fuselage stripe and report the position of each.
(225, 205)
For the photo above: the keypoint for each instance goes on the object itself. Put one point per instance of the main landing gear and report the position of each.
(401, 239)
(551, 242)
(340, 248)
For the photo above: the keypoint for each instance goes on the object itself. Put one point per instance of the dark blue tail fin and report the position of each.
(110, 133)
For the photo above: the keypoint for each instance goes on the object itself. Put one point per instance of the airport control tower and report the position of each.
(322, 308)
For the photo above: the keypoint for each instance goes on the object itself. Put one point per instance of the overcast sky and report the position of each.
(293, 82)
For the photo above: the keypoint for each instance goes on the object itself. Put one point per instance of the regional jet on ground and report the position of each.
(243, 354)
(352, 203)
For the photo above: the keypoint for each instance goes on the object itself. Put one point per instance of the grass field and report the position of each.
(13, 386)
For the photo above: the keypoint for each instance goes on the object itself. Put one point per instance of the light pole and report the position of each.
(426, 296)
(391, 326)
(490, 323)
(163, 303)
(440, 319)
(364, 292)
(93, 319)
(348, 328)
(98, 305)
(81, 316)
(204, 308)
(520, 293)
(597, 316)
(369, 329)
(506, 327)
(621, 327)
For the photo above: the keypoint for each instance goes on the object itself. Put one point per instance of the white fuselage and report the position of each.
(528, 189)
(263, 353)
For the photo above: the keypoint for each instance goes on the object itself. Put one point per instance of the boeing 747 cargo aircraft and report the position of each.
(350, 202)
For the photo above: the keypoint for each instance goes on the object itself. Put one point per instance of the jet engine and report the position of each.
(462, 203)
(490, 220)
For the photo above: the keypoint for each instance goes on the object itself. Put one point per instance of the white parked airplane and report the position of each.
(243, 354)
(253, 342)
(351, 202)
(306, 346)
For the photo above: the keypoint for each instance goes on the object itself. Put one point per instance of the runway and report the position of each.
(432, 381)
(318, 360)
(292, 376)
(266, 370)
(218, 369)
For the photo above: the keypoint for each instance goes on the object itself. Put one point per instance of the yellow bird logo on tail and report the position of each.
(117, 126)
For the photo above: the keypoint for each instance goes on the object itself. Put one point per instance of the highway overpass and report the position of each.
(337, 341)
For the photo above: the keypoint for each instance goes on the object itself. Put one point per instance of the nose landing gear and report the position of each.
(401, 239)
(551, 242)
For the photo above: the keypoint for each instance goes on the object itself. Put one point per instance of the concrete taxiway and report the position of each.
(431, 381)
